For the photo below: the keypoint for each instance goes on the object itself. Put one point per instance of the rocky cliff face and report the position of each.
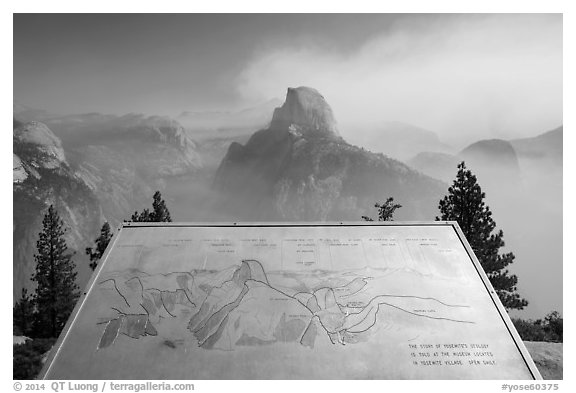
(41, 146)
(157, 145)
(299, 168)
(305, 110)
(124, 159)
(42, 176)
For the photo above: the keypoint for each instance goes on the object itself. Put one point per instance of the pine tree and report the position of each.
(22, 315)
(465, 204)
(159, 213)
(141, 217)
(385, 210)
(55, 276)
(101, 244)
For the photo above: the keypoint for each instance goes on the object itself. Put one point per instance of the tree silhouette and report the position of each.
(101, 244)
(55, 276)
(465, 204)
(159, 212)
(28, 357)
(385, 210)
(23, 314)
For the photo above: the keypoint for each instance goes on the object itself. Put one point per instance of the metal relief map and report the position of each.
(289, 302)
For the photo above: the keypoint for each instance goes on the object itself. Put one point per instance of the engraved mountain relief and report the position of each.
(239, 306)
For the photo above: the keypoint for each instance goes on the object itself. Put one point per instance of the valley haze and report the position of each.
(290, 117)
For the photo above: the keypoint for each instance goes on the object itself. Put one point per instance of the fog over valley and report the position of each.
(290, 118)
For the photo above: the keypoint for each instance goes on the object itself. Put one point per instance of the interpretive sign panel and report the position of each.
(297, 301)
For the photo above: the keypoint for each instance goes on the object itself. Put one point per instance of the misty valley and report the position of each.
(280, 161)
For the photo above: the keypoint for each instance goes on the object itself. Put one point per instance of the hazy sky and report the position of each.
(458, 75)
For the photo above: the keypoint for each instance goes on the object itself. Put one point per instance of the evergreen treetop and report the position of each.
(465, 204)
(159, 212)
(101, 244)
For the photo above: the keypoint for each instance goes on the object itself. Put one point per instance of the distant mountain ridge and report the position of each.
(494, 160)
(398, 140)
(546, 146)
(506, 157)
(222, 121)
(496, 151)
